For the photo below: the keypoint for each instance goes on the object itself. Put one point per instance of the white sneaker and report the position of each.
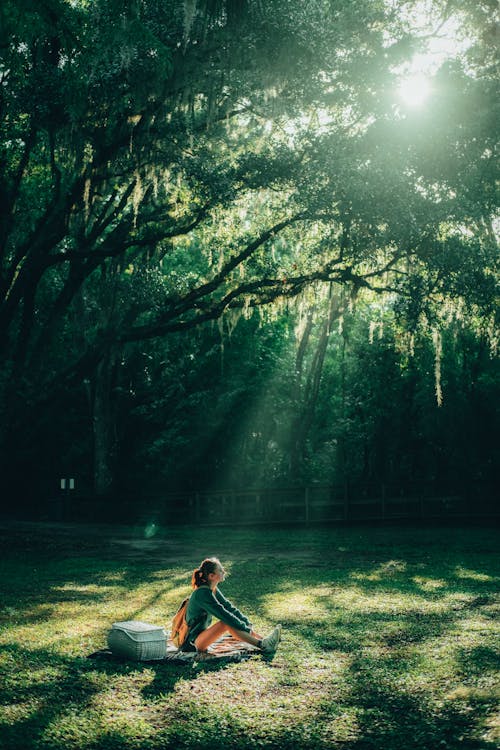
(270, 644)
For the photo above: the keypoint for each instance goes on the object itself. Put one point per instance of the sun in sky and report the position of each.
(414, 89)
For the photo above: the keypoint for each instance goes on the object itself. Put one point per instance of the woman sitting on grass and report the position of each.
(206, 600)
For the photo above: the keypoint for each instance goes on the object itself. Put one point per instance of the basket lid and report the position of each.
(136, 627)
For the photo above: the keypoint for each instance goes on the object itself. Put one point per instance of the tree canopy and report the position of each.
(167, 164)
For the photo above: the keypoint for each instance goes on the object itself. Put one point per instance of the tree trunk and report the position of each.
(103, 425)
(341, 469)
(301, 425)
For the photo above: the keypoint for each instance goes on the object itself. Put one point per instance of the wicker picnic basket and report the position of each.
(137, 640)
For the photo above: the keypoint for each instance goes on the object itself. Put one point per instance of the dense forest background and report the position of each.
(238, 250)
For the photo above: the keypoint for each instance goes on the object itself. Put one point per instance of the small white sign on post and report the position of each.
(67, 484)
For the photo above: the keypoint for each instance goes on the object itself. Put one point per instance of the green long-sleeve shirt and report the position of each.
(203, 603)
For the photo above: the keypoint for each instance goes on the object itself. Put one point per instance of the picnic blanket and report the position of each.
(226, 648)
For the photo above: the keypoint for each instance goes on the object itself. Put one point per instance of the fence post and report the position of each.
(306, 500)
(258, 512)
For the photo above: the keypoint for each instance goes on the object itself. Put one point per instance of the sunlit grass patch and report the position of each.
(294, 606)
(429, 584)
(386, 570)
(473, 575)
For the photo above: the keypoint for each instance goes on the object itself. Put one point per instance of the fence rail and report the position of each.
(315, 504)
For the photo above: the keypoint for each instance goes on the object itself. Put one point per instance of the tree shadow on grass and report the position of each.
(429, 580)
(37, 600)
(366, 629)
(162, 682)
(391, 717)
(66, 687)
(390, 713)
(423, 602)
(69, 684)
(350, 628)
(479, 660)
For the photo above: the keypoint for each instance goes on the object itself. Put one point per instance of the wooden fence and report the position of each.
(316, 504)
(293, 505)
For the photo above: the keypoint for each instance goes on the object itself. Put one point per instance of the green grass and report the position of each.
(389, 639)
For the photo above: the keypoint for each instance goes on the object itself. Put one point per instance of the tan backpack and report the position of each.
(180, 629)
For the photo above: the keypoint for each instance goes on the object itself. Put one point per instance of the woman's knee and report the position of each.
(208, 636)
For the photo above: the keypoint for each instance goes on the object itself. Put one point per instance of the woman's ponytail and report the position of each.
(198, 578)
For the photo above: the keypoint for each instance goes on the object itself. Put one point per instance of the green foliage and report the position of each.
(168, 164)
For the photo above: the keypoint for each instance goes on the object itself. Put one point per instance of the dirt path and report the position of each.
(88, 539)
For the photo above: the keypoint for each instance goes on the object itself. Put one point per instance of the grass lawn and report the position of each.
(389, 639)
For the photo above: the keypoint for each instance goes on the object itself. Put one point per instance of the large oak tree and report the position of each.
(165, 163)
